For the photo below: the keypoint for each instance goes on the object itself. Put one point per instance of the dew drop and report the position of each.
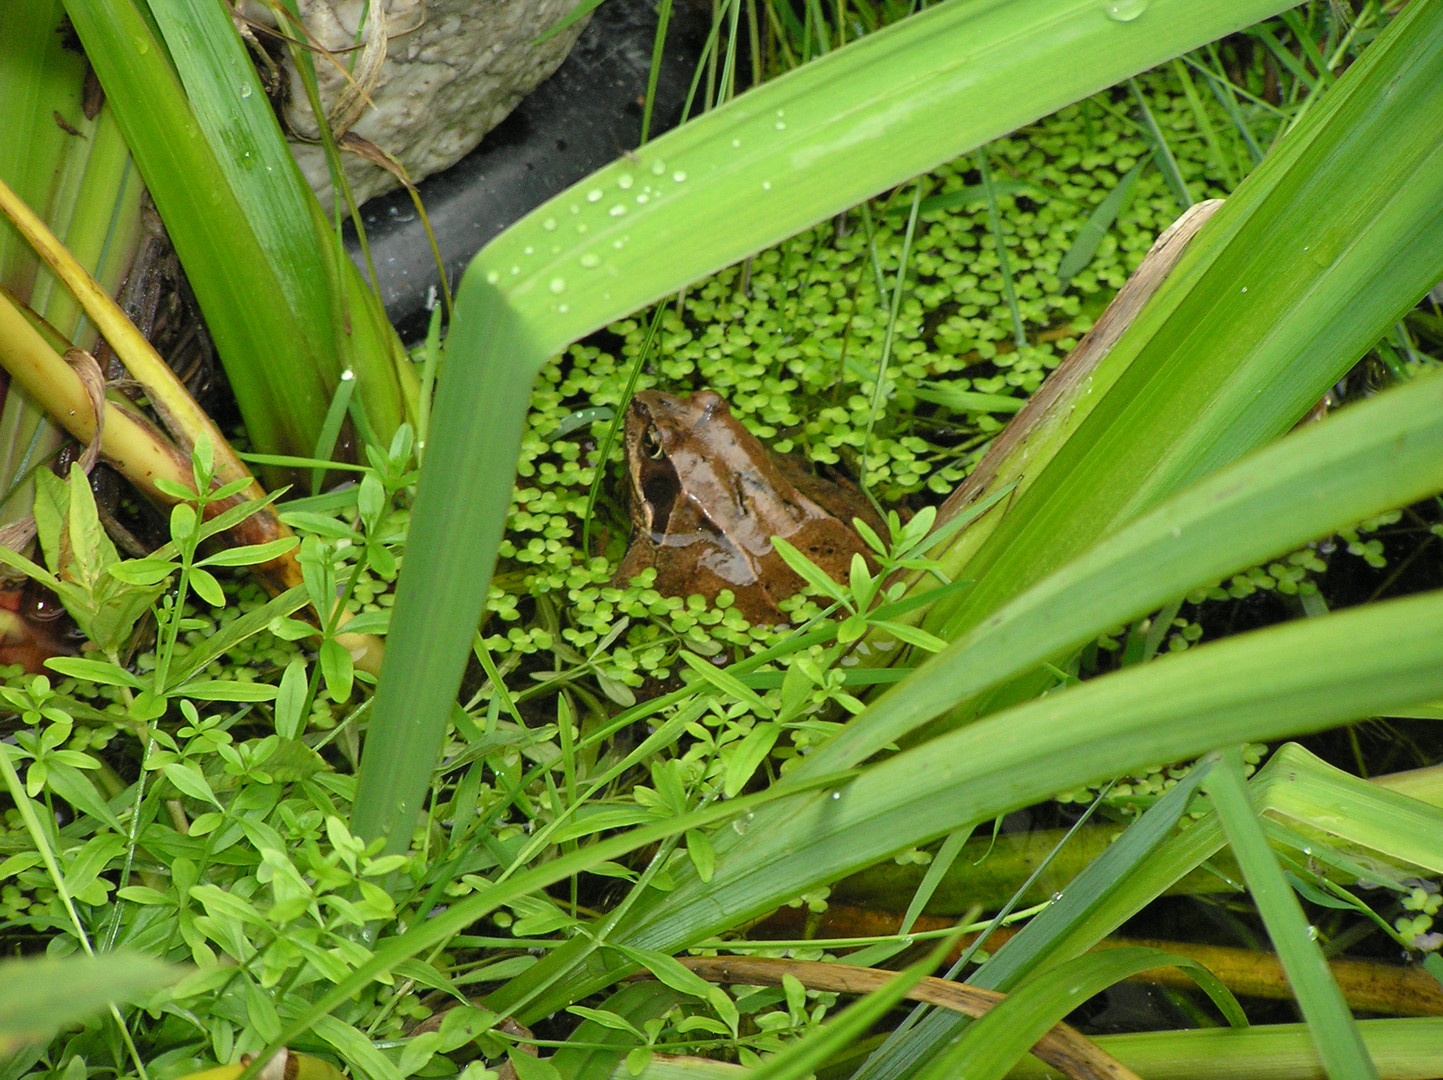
(780, 126)
(1243, 289)
(245, 90)
(516, 270)
(642, 199)
(679, 176)
(658, 167)
(528, 250)
(1124, 10)
(618, 210)
(563, 308)
(736, 144)
(575, 208)
(492, 277)
(558, 285)
(594, 195)
(836, 794)
(549, 224)
(591, 260)
(766, 185)
(141, 45)
(583, 228)
(624, 181)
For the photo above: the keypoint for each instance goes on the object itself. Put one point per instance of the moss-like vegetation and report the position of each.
(797, 339)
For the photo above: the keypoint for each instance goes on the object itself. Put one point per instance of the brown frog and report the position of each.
(707, 497)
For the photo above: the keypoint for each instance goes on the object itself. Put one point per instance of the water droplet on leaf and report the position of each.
(1124, 10)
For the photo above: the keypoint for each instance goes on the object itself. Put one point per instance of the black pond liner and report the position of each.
(586, 115)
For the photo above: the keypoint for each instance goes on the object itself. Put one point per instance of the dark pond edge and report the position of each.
(586, 115)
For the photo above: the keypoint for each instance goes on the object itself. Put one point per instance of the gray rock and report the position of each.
(451, 70)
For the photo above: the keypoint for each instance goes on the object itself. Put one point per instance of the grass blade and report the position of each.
(287, 311)
(41, 995)
(1398, 1047)
(1096, 226)
(1339, 1045)
(1166, 161)
(80, 179)
(995, 1042)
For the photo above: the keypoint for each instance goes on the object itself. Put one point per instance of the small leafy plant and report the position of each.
(543, 843)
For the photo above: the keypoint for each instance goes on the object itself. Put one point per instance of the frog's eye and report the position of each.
(41, 605)
(651, 444)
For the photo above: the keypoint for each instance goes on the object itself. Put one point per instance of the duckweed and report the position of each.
(794, 339)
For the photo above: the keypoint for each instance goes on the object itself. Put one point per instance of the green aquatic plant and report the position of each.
(599, 840)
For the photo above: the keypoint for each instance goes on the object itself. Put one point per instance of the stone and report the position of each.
(450, 71)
